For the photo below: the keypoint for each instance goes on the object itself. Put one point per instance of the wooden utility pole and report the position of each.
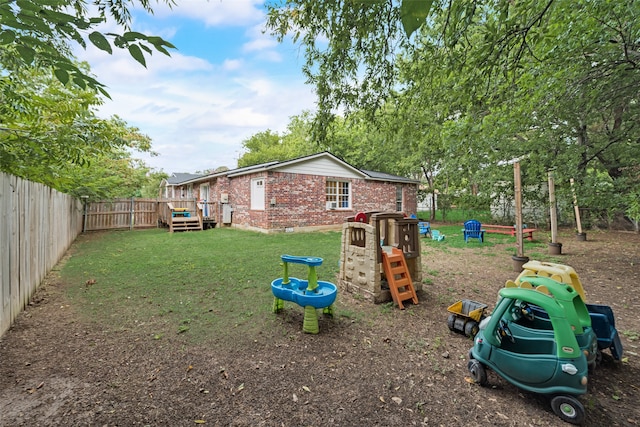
(552, 209)
(518, 200)
(575, 207)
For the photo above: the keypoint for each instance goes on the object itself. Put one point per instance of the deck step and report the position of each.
(185, 224)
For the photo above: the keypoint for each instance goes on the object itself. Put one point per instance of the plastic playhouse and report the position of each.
(547, 354)
(311, 294)
(369, 240)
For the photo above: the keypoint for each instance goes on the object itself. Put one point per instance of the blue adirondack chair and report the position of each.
(473, 230)
(424, 228)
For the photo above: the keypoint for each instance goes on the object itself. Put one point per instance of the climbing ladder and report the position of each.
(398, 277)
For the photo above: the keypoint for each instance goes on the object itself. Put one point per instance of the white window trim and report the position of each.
(332, 200)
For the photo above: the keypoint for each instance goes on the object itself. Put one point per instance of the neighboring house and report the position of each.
(429, 199)
(317, 191)
(170, 188)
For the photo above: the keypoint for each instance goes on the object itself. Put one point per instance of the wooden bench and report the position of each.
(508, 229)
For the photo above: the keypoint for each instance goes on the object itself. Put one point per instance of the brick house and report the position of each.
(312, 192)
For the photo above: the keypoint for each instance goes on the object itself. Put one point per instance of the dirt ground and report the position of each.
(392, 368)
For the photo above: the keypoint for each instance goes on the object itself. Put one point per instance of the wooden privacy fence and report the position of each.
(37, 226)
(130, 213)
(118, 214)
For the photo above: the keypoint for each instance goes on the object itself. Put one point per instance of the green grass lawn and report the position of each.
(216, 284)
(205, 285)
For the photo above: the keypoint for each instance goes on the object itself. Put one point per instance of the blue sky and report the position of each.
(226, 81)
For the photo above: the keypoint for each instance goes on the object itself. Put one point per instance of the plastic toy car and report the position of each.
(549, 354)
(602, 317)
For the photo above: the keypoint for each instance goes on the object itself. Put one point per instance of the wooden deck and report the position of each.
(187, 214)
(185, 223)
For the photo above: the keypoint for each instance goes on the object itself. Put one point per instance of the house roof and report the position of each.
(292, 164)
(179, 178)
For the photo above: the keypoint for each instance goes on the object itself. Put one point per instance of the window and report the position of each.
(399, 198)
(338, 195)
(257, 194)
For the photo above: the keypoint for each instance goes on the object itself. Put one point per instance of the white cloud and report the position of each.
(196, 112)
(215, 12)
(198, 121)
(259, 44)
(232, 64)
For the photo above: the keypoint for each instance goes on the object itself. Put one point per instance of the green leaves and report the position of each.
(100, 41)
(414, 14)
(7, 36)
(481, 83)
(61, 75)
(26, 53)
(137, 54)
(50, 133)
(40, 32)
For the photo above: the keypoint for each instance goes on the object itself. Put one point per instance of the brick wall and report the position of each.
(300, 200)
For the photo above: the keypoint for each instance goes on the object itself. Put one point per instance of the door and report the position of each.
(204, 198)
(257, 194)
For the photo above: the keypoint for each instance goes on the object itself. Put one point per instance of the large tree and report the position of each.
(40, 33)
(49, 132)
(552, 82)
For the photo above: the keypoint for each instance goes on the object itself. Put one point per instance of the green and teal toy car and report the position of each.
(548, 350)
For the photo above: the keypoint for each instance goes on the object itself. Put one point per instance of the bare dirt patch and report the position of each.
(385, 367)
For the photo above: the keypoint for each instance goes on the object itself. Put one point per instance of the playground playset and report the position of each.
(380, 260)
(380, 257)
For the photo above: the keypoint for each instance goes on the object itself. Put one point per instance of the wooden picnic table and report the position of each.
(508, 229)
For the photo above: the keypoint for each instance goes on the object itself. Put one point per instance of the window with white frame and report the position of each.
(338, 194)
(257, 194)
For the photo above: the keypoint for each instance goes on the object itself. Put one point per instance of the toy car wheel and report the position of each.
(477, 371)
(451, 322)
(599, 357)
(471, 328)
(569, 409)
